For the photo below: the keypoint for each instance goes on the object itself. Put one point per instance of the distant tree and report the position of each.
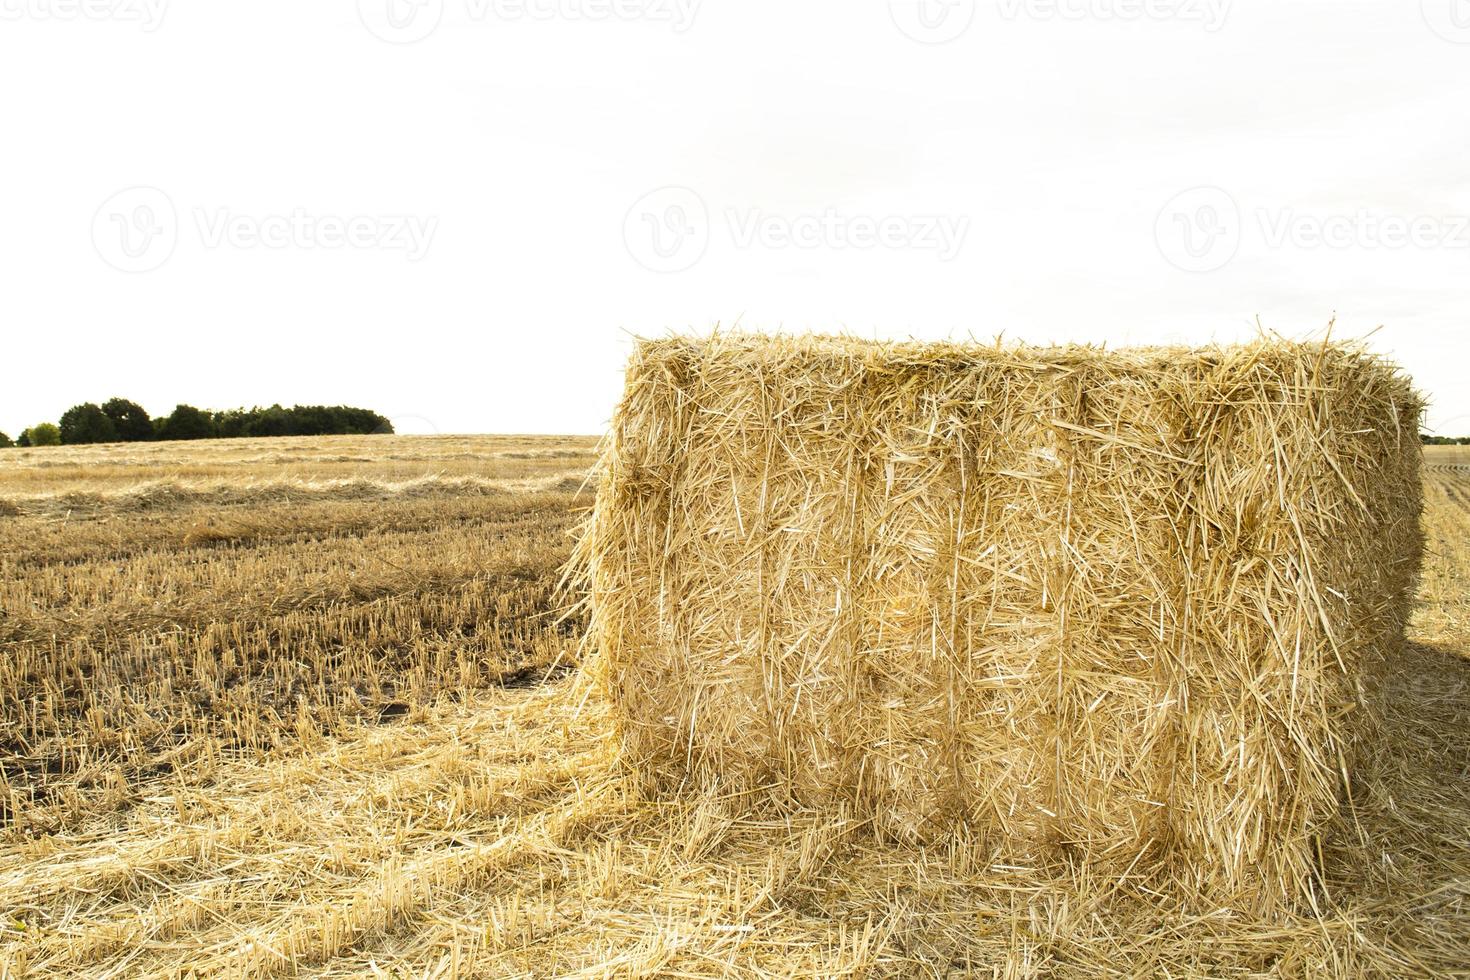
(299, 420)
(129, 420)
(273, 421)
(185, 422)
(5, 442)
(231, 424)
(121, 420)
(314, 420)
(42, 434)
(86, 423)
(24, 439)
(360, 421)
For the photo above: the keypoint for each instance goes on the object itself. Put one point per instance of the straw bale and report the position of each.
(1115, 608)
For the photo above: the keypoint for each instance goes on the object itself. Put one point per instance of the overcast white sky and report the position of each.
(457, 211)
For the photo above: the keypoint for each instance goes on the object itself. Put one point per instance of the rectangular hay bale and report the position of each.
(1120, 607)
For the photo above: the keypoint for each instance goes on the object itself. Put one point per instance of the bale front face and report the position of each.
(1115, 607)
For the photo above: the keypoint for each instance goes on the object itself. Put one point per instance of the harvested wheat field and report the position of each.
(308, 707)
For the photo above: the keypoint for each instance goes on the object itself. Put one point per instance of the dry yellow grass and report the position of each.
(168, 603)
(202, 779)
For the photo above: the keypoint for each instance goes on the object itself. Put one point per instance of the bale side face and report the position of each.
(1115, 607)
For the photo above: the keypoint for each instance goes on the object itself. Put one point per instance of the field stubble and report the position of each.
(282, 708)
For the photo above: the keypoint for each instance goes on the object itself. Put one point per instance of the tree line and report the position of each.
(121, 420)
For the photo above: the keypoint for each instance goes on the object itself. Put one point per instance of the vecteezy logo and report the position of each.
(932, 21)
(136, 230)
(1199, 229)
(1450, 19)
(148, 14)
(401, 21)
(667, 230)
